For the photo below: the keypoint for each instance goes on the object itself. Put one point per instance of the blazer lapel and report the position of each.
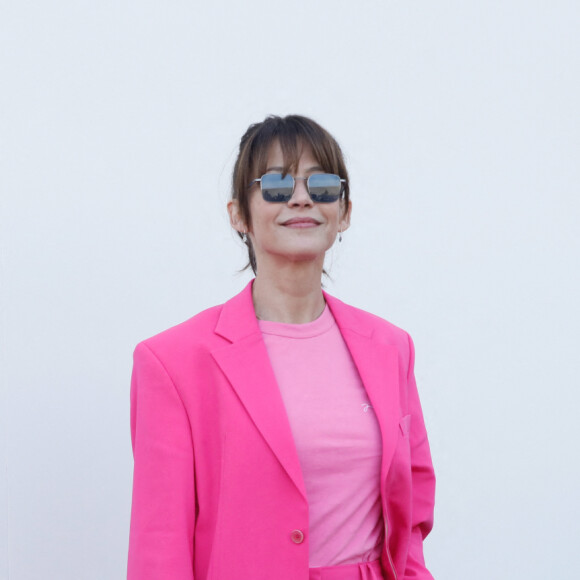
(246, 364)
(377, 364)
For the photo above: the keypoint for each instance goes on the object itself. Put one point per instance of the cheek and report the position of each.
(255, 214)
(333, 217)
(262, 216)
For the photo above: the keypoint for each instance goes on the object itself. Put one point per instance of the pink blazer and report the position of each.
(217, 489)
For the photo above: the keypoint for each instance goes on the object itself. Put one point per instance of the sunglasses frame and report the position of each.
(294, 179)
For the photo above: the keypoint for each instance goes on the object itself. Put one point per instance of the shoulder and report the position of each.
(205, 331)
(187, 337)
(364, 322)
(379, 324)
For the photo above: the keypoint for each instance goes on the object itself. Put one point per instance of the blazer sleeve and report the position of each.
(423, 480)
(163, 506)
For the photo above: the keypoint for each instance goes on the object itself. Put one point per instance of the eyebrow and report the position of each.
(281, 169)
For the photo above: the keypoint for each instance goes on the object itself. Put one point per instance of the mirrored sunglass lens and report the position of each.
(324, 187)
(276, 188)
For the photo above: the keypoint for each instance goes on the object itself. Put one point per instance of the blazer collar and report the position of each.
(246, 364)
(238, 318)
(348, 317)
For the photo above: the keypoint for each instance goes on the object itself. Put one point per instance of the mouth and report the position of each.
(302, 222)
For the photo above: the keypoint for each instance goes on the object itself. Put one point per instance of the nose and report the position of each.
(300, 197)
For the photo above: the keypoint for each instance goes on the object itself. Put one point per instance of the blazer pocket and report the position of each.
(405, 425)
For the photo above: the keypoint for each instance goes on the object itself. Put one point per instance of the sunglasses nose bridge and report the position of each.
(300, 193)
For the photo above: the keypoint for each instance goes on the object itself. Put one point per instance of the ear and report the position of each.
(344, 222)
(236, 220)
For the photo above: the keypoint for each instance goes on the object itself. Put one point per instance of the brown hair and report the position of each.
(292, 132)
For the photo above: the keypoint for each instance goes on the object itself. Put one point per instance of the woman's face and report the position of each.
(299, 230)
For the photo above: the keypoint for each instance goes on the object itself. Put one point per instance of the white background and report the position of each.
(119, 126)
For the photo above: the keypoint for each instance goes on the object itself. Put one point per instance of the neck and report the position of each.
(291, 294)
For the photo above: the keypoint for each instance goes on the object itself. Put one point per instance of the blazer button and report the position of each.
(297, 536)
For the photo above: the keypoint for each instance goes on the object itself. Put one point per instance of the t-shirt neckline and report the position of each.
(318, 326)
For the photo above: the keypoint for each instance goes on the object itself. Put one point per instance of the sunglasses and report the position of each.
(322, 187)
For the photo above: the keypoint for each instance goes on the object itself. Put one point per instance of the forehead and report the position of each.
(286, 156)
(291, 159)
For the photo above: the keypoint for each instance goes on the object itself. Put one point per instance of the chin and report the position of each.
(307, 254)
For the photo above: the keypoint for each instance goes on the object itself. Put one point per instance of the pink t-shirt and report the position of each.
(337, 437)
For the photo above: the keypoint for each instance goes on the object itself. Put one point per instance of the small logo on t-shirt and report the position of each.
(366, 407)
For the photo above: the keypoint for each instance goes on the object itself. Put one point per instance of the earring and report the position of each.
(340, 236)
(244, 237)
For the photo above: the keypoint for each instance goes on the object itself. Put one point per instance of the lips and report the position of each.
(301, 222)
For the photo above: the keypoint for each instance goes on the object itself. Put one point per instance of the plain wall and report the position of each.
(119, 126)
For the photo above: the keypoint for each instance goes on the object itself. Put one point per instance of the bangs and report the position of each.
(293, 138)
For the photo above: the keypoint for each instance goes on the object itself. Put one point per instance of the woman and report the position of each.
(279, 436)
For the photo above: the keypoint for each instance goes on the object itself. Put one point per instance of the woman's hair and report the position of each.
(292, 132)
